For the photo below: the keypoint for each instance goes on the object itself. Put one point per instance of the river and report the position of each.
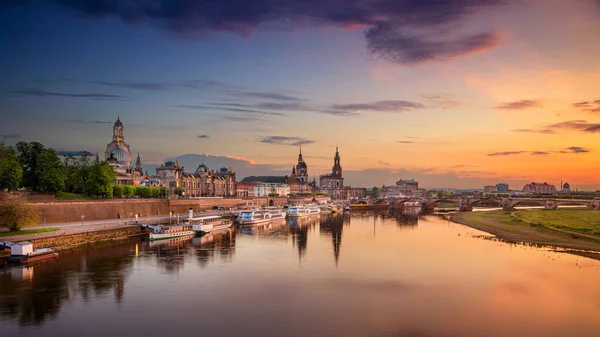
(362, 274)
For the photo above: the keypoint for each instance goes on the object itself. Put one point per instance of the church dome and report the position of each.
(223, 170)
(120, 154)
(566, 186)
(202, 168)
(301, 165)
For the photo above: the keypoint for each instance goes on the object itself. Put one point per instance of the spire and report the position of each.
(97, 157)
(118, 116)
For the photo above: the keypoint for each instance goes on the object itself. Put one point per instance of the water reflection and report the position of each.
(393, 275)
(33, 294)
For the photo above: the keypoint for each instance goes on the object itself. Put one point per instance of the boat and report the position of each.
(346, 208)
(252, 217)
(413, 204)
(362, 204)
(22, 252)
(161, 232)
(209, 223)
(301, 211)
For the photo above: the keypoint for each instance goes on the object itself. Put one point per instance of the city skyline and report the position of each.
(491, 92)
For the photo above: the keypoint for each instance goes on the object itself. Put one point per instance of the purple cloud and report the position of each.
(518, 105)
(398, 31)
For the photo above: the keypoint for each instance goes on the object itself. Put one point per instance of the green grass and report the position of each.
(579, 220)
(29, 231)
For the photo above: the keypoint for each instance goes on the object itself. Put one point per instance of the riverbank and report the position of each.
(510, 227)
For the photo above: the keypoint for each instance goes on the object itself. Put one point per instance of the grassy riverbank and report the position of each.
(28, 231)
(566, 228)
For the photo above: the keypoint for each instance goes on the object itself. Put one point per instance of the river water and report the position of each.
(362, 274)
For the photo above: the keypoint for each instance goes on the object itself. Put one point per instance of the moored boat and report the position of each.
(252, 217)
(22, 252)
(209, 223)
(161, 232)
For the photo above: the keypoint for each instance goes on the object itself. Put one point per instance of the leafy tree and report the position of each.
(375, 192)
(179, 191)
(156, 192)
(101, 180)
(29, 154)
(15, 213)
(118, 191)
(50, 172)
(11, 172)
(128, 191)
(77, 173)
(164, 192)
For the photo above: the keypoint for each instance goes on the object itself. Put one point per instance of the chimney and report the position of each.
(190, 213)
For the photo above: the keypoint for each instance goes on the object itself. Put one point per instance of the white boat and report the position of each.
(412, 204)
(301, 211)
(161, 232)
(209, 223)
(252, 217)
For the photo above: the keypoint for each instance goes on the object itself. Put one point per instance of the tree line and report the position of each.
(36, 168)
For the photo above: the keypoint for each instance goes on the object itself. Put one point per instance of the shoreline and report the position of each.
(572, 243)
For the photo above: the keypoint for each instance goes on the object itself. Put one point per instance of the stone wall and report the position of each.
(71, 211)
(74, 240)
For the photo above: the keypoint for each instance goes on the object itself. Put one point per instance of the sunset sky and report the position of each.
(456, 93)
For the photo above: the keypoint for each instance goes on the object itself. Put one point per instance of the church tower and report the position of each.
(118, 130)
(337, 168)
(302, 169)
(138, 163)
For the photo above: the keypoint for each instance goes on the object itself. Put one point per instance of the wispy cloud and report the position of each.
(81, 121)
(539, 153)
(203, 136)
(378, 106)
(505, 153)
(42, 93)
(230, 109)
(589, 106)
(384, 163)
(577, 149)
(283, 140)
(580, 125)
(406, 142)
(10, 136)
(273, 96)
(542, 131)
(518, 105)
(443, 101)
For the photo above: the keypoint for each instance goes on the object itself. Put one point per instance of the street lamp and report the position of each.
(136, 218)
(82, 217)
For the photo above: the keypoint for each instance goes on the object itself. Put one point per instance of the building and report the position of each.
(403, 188)
(171, 174)
(333, 183)
(490, 189)
(539, 188)
(566, 187)
(245, 190)
(502, 188)
(271, 189)
(118, 155)
(201, 183)
(298, 181)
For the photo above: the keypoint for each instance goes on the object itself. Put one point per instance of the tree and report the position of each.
(375, 192)
(164, 192)
(128, 191)
(15, 213)
(179, 191)
(29, 154)
(118, 191)
(11, 172)
(50, 173)
(101, 179)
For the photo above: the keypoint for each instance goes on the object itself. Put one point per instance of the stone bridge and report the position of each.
(467, 204)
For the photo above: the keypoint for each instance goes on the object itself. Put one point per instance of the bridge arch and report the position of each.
(486, 201)
(530, 202)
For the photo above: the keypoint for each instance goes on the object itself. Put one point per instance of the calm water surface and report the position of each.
(359, 275)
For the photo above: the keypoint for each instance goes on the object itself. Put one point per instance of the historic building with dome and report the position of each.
(201, 183)
(118, 155)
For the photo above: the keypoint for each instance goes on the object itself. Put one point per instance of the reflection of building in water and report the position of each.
(334, 225)
(405, 220)
(299, 228)
(213, 245)
(33, 294)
